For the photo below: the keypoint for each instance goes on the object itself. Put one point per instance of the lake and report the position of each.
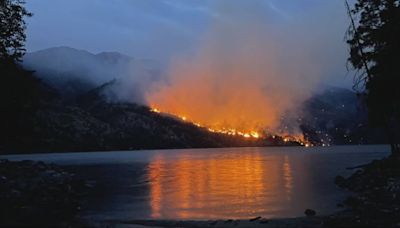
(213, 183)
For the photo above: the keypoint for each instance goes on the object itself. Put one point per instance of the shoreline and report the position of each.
(27, 153)
(307, 221)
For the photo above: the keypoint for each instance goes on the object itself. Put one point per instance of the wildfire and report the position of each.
(227, 131)
(251, 134)
(297, 138)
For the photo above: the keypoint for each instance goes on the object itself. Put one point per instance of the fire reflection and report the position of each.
(155, 190)
(241, 185)
(287, 175)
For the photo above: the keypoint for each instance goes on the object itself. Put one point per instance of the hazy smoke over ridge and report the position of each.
(75, 72)
(247, 72)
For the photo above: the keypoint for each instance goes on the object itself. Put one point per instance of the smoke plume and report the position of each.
(246, 73)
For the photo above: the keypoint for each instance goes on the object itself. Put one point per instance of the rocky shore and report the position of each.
(307, 222)
(36, 194)
(376, 198)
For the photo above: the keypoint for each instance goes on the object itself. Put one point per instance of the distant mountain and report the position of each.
(91, 123)
(89, 102)
(336, 116)
(74, 72)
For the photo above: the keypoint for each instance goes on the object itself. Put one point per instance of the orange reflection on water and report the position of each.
(287, 175)
(241, 185)
(155, 190)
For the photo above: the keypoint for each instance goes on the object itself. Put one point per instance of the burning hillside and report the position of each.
(222, 130)
(253, 134)
(238, 82)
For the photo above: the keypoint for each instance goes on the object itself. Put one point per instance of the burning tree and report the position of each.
(374, 40)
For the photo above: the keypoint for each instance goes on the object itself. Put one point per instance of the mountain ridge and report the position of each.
(95, 119)
(74, 72)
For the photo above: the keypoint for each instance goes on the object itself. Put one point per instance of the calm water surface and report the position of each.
(213, 183)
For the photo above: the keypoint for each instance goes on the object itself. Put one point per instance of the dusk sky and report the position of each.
(163, 29)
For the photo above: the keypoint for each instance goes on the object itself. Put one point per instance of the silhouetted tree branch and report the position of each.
(374, 40)
(12, 30)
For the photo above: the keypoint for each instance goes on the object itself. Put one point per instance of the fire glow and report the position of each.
(227, 131)
(252, 134)
(239, 80)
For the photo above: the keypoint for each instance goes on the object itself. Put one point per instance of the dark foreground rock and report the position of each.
(303, 222)
(376, 198)
(36, 194)
(310, 212)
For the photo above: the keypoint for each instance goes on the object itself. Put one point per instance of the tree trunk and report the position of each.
(395, 150)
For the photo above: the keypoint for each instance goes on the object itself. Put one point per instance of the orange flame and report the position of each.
(251, 134)
(230, 131)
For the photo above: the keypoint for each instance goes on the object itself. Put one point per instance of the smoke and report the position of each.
(75, 72)
(247, 71)
(252, 61)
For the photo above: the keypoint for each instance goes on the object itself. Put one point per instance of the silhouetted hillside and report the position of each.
(336, 116)
(92, 123)
(81, 105)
